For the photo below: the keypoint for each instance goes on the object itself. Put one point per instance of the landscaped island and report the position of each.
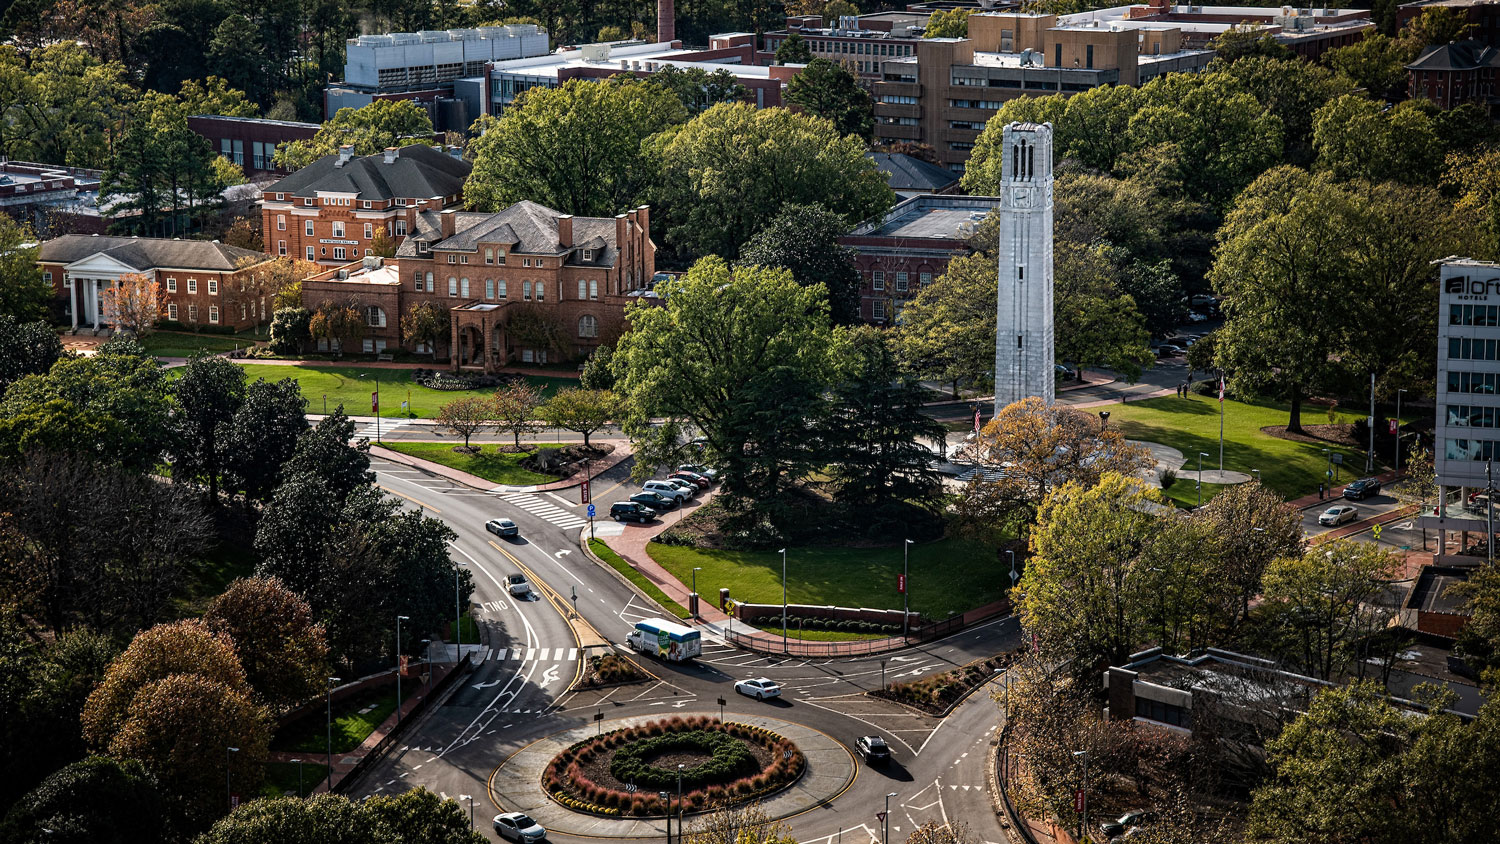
(624, 771)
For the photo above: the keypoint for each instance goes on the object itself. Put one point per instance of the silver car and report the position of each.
(1337, 515)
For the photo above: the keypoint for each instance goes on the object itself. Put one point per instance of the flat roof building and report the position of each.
(251, 142)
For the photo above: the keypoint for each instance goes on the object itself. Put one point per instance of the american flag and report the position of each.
(1221, 389)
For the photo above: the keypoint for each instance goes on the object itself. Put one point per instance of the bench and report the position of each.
(385, 356)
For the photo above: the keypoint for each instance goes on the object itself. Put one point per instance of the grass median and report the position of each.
(616, 562)
(492, 465)
(947, 577)
(177, 344)
(351, 387)
(354, 718)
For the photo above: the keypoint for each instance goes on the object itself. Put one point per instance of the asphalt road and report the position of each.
(518, 694)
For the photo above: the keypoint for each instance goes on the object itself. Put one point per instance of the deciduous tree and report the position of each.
(947, 333)
(283, 650)
(581, 411)
(1323, 601)
(414, 815)
(466, 416)
(426, 323)
(369, 129)
(1377, 64)
(804, 239)
(97, 799)
(515, 409)
(134, 303)
(342, 324)
(597, 370)
(206, 398)
(698, 90)
(23, 295)
(291, 329)
(950, 23)
(1249, 526)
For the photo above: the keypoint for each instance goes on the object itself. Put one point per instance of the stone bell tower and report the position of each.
(1023, 325)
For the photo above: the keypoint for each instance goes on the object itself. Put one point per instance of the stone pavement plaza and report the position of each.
(516, 786)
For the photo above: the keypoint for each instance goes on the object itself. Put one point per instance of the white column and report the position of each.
(72, 288)
(94, 301)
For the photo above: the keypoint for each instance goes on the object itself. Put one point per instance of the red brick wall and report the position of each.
(1440, 623)
(224, 298)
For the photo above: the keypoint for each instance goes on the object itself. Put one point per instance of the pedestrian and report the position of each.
(1320, 492)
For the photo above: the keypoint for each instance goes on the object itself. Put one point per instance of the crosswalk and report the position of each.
(386, 426)
(531, 655)
(536, 506)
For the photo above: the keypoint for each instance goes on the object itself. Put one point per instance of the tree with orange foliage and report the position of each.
(133, 303)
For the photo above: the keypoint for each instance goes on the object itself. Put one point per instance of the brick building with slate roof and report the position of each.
(329, 211)
(1453, 74)
(197, 278)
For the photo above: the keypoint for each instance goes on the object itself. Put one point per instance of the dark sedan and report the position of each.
(1362, 488)
(655, 501)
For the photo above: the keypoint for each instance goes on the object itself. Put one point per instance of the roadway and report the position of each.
(519, 692)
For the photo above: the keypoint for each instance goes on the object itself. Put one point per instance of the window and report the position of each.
(463, 259)
(593, 288)
(1165, 713)
(526, 291)
(192, 313)
(213, 287)
(1465, 348)
(1484, 383)
(452, 286)
(171, 285)
(900, 282)
(1473, 416)
(172, 310)
(422, 247)
(280, 247)
(192, 285)
(1483, 315)
(541, 292)
(280, 197)
(463, 287)
(242, 311)
(499, 255)
(213, 313)
(1057, 55)
(310, 255)
(925, 278)
(877, 281)
(452, 259)
(338, 228)
(400, 228)
(338, 252)
(489, 255)
(583, 289)
(364, 203)
(307, 202)
(307, 228)
(526, 262)
(893, 99)
(588, 326)
(588, 255)
(1089, 54)
(281, 222)
(369, 231)
(429, 282)
(416, 281)
(400, 202)
(500, 290)
(374, 317)
(877, 309)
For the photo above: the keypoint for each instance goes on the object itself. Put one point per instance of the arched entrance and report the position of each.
(470, 349)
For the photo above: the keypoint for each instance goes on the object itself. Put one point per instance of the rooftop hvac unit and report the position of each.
(429, 36)
(492, 32)
(594, 52)
(405, 38)
(463, 34)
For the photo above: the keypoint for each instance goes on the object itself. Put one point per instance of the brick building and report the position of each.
(196, 277)
(329, 211)
(525, 285)
(250, 141)
(1454, 74)
(1483, 15)
(899, 254)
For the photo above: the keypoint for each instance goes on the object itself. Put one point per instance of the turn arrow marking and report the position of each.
(561, 554)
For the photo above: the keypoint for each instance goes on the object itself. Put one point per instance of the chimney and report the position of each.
(391, 154)
(565, 231)
(619, 231)
(666, 21)
(456, 151)
(450, 223)
(346, 152)
(644, 219)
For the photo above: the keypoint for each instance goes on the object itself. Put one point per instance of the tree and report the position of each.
(793, 50)
(742, 357)
(1435, 26)
(577, 148)
(28, 348)
(747, 823)
(179, 728)
(514, 409)
(264, 286)
(581, 411)
(414, 815)
(828, 90)
(1376, 63)
(726, 173)
(419, 815)
(876, 429)
(698, 90)
(1250, 526)
(208, 395)
(166, 650)
(1095, 325)
(1321, 603)
(952, 23)
(1239, 42)
(283, 650)
(23, 295)
(163, 168)
(1479, 639)
(342, 325)
(369, 129)
(1358, 138)
(465, 417)
(804, 239)
(426, 323)
(382, 244)
(597, 371)
(134, 303)
(263, 435)
(1292, 90)
(290, 330)
(1042, 448)
(213, 95)
(97, 799)
(933, 832)
(1157, 293)
(1475, 178)
(947, 333)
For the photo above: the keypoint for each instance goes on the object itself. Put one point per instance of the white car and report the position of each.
(1194, 316)
(516, 585)
(515, 826)
(758, 689)
(1337, 515)
(667, 488)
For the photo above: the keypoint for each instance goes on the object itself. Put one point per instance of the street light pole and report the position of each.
(228, 786)
(1201, 455)
(666, 800)
(680, 766)
(1013, 576)
(458, 614)
(784, 646)
(906, 589)
(299, 777)
(399, 619)
(470, 798)
(885, 835)
(1370, 455)
(332, 681)
(1398, 431)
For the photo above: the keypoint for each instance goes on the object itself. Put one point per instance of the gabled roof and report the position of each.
(147, 253)
(1463, 55)
(418, 171)
(528, 227)
(904, 172)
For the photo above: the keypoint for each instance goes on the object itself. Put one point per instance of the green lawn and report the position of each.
(608, 555)
(1191, 425)
(178, 344)
(353, 720)
(351, 386)
(494, 466)
(468, 629)
(282, 779)
(947, 577)
(1185, 491)
(206, 579)
(824, 635)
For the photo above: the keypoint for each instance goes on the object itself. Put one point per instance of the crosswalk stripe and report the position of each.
(572, 654)
(500, 654)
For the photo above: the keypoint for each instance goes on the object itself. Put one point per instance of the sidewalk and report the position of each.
(596, 468)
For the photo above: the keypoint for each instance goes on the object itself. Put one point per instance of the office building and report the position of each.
(860, 43)
(899, 254)
(251, 142)
(1023, 316)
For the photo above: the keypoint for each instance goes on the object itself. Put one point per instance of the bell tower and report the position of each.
(1023, 310)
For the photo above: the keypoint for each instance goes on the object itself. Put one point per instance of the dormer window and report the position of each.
(422, 247)
(588, 255)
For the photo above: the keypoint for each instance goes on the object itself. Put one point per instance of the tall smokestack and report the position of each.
(666, 21)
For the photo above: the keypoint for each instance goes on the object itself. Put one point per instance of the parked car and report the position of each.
(516, 585)
(1194, 316)
(874, 750)
(514, 826)
(1362, 488)
(1063, 372)
(631, 511)
(1337, 515)
(1202, 300)
(655, 500)
(693, 478)
(1126, 822)
(1169, 350)
(711, 474)
(668, 489)
(758, 689)
(502, 527)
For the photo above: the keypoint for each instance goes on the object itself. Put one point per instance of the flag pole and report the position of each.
(1221, 426)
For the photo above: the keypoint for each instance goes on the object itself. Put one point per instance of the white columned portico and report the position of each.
(71, 285)
(94, 301)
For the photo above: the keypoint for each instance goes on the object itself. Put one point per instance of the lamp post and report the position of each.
(1256, 472)
(375, 404)
(666, 799)
(885, 834)
(1201, 455)
(332, 681)
(1083, 828)
(470, 798)
(228, 786)
(784, 647)
(458, 613)
(1398, 431)
(1013, 576)
(299, 777)
(399, 619)
(427, 665)
(1103, 419)
(906, 589)
(680, 766)
(696, 569)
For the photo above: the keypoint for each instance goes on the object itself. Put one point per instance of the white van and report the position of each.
(665, 640)
(667, 489)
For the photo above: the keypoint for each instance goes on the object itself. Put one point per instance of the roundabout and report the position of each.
(570, 782)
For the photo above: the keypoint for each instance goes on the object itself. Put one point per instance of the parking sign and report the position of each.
(591, 511)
